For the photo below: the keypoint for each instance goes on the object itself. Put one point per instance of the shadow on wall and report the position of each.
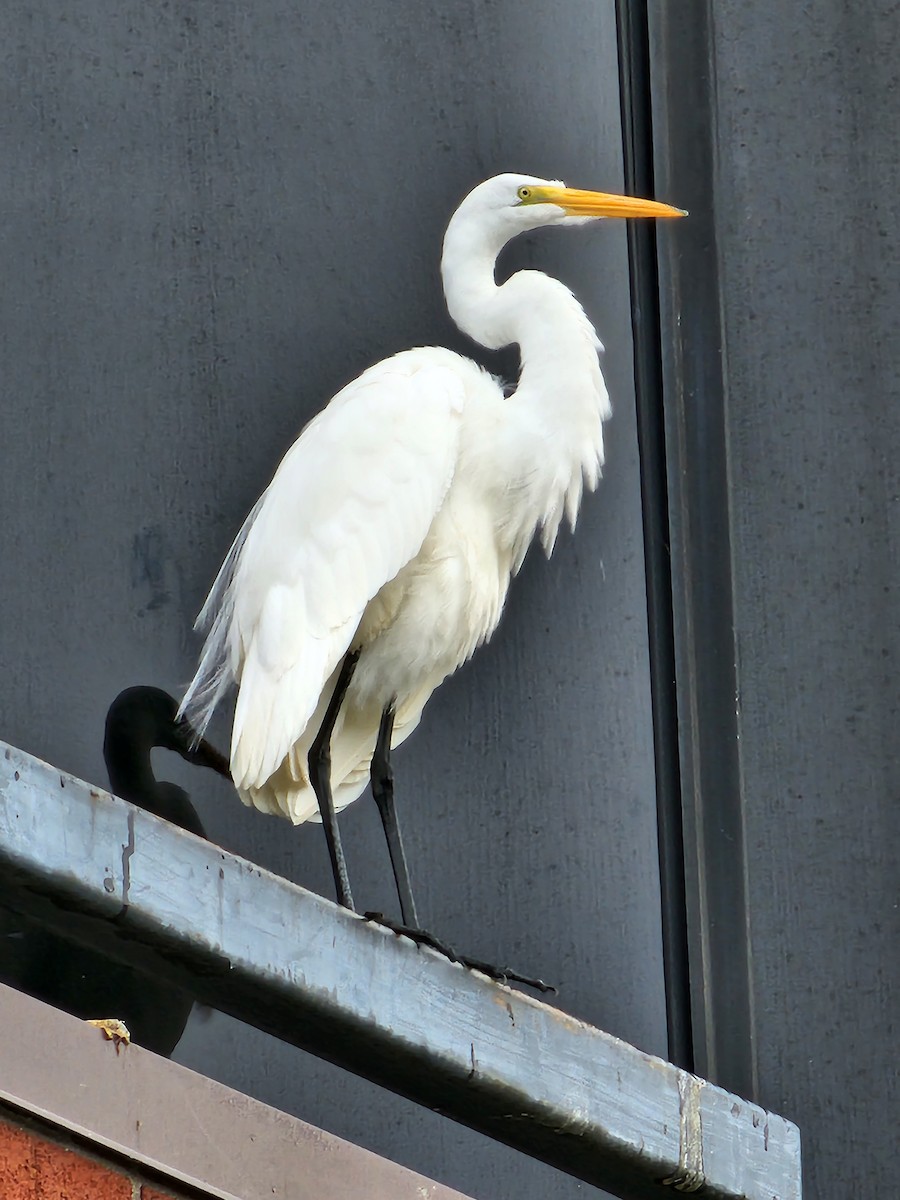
(70, 976)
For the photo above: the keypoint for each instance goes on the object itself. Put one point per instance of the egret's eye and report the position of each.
(524, 193)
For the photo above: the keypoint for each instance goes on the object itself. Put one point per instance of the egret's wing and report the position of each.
(350, 504)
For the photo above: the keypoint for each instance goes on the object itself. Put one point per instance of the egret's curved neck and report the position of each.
(560, 401)
(467, 270)
(531, 309)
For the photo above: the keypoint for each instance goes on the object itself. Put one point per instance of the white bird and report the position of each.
(379, 557)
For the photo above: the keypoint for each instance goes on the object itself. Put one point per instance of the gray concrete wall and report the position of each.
(214, 215)
(811, 306)
(796, 203)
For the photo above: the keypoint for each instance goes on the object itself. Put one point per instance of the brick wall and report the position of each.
(34, 1166)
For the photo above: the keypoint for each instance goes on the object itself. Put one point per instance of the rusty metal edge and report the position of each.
(181, 1126)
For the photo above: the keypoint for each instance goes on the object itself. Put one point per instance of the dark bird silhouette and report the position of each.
(83, 981)
(140, 719)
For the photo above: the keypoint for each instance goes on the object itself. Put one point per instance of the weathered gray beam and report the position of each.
(296, 965)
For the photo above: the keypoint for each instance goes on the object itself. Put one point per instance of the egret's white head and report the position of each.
(491, 215)
(511, 204)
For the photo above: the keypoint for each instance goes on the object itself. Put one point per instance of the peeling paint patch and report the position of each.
(127, 851)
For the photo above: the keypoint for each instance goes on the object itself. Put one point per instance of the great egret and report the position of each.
(83, 981)
(379, 557)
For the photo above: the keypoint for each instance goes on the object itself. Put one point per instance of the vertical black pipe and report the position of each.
(637, 134)
(701, 490)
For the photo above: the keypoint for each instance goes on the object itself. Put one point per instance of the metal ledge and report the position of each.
(176, 1124)
(299, 967)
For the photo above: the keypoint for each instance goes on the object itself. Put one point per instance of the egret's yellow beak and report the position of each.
(599, 204)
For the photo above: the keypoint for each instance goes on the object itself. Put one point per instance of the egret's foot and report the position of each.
(420, 936)
(423, 938)
(505, 975)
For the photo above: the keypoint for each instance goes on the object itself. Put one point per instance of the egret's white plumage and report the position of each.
(396, 520)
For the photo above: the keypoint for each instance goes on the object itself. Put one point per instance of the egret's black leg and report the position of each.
(382, 777)
(320, 778)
